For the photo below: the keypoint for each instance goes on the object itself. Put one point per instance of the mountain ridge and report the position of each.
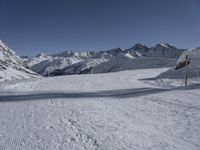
(11, 65)
(70, 62)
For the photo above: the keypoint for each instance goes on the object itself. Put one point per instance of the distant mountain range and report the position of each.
(69, 62)
(137, 57)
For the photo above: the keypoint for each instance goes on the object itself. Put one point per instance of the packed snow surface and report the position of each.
(114, 111)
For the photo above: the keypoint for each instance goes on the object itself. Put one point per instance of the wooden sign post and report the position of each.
(92, 70)
(186, 69)
(183, 64)
(49, 71)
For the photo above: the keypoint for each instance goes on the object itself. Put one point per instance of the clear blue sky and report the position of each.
(50, 26)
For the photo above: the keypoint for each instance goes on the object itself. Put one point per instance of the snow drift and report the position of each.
(193, 68)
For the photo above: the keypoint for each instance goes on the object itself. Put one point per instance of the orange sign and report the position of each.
(182, 64)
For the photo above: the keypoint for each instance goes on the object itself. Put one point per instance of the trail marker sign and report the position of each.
(184, 64)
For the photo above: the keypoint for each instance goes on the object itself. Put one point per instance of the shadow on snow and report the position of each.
(121, 93)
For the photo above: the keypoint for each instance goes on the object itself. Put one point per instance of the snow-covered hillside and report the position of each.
(100, 112)
(48, 64)
(65, 63)
(122, 63)
(193, 68)
(11, 65)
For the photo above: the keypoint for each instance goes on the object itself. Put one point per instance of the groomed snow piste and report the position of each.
(100, 112)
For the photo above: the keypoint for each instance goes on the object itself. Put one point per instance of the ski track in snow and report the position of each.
(168, 119)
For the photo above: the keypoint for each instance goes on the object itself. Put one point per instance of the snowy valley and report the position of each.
(124, 99)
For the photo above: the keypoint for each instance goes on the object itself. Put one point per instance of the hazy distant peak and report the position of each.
(139, 46)
(164, 45)
(41, 55)
(116, 50)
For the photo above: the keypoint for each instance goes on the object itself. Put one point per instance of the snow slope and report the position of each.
(122, 63)
(11, 67)
(102, 111)
(193, 68)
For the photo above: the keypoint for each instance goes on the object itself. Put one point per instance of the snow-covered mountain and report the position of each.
(193, 68)
(141, 57)
(47, 64)
(118, 59)
(164, 50)
(11, 65)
